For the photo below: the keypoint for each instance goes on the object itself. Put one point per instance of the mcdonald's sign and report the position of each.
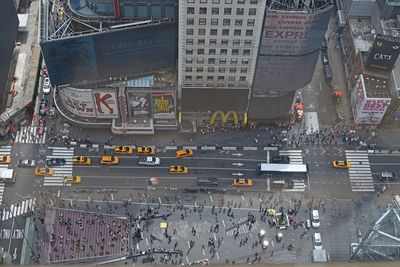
(224, 117)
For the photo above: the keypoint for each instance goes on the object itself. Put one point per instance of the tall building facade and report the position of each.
(217, 52)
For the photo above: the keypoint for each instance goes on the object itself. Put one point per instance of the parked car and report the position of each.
(315, 222)
(46, 86)
(280, 159)
(27, 163)
(55, 162)
(324, 45)
(43, 108)
(324, 58)
(317, 241)
(40, 129)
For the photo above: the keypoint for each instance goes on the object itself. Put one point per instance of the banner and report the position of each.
(163, 105)
(78, 101)
(139, 104)
(106, 103)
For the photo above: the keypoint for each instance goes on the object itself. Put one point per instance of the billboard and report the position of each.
(384, 52)
(293, 32)
(106, 102)
(78, 101)
(163, 105)
(113, 53)
(139, 104)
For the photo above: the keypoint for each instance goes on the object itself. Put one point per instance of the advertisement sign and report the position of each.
(139, 104)
(163, 105)
(359, 93)
(384, 52)
(78, 101)
(106, 103)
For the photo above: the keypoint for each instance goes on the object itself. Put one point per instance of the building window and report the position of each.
(235, 52)
(189, 60)
(240, 11)
(210, 78)
(224, 42)
(237, 32)
(240, 2)
(189, 41)
(188, 78)
(211, 51)
(234, 61)
(226, 22)
(242, 78)
(246, 52)
(232, 70)
(252, 11)
(224, 51)
(199, 69)
(254, 2)
(203, 1)
(189, 51)
(236, 42)
(210, 69)
(228, 1)
(190, 21)
(200, 61)
(211, 60)
(238, 22)
(214, 22)
(222, 61)
(247, 42)
(250, 22)
(202, 31)
(190, 1)
(188, 69)
(243, 70)
(202, 10)
(227, 11)
(213, 41)
(189, 31)
(201, 42)
(213, 32)
(231, 78)
(215, 1)
(225, 32)
(221, 78)
(200, 51)
(199, 78)
(215, 11)
(245, 61)
(190, 10)
(249, 32)
(202, 21)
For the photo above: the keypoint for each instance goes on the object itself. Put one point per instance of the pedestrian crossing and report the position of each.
(243, 228)
(4, 150)
(298, 186)
(18, 209)
(2, 185)
(57, 179)
(28, 135)
(295, 156)
(360, 171)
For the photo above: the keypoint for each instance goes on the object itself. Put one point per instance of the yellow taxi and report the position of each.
(44, 171)
(341, 164)
(242, 182)
(5, 159)
(178, 169)
(72, 179)
(109, 160)
(81, 160)
(123, 150)
(146, 150)
(184, 153)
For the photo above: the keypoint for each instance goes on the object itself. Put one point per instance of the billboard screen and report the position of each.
(139, 104)
(384, 52)
(106, 102)
(163, 105)
(116, 53)
(78, 101)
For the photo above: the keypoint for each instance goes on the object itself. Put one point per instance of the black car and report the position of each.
(55, 162)
(280, 159)
(324, 58)
(43, 108)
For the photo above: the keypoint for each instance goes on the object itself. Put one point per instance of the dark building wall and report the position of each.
(119, 53)
(8, 33)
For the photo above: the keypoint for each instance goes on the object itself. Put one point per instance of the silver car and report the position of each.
(27, 163)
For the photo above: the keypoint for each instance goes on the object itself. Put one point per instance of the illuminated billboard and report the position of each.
(106, 103)
(163, 105)
(78, 101)
(384, 52)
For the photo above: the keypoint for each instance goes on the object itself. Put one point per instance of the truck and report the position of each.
(150, 161)
(7, 175)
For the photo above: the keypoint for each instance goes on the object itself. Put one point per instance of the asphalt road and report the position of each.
(385, 162)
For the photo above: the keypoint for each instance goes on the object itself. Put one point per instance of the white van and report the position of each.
(315, 222)
(317, 241)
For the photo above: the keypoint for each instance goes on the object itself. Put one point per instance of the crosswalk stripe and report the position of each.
(295, 156)
(57, 179)
(360, 171)
(28, 135)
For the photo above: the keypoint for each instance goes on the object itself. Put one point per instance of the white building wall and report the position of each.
(218, 49)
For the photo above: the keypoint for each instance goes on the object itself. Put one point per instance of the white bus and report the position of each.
(272, 168)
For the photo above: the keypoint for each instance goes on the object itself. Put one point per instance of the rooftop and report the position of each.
(363, 33)
(391, 27)
(376, 87)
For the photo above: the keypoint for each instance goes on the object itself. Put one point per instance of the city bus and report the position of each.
(285, 169)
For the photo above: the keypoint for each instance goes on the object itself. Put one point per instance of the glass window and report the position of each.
(238, 22)
(202, 10)
(190, 10)
(225, 32)
(201, 42)
(211, 51)
(222, 61)
(245, 61)
(252, 11)
(227, 11)
(213, 32)
(242, 78)
(200, 51)
(203, 1)
(189, 51)
(211, 61)
(210, 78)
(254, 2)
(188, 78)
(214, 22)
(189, 31)
(210, 69)
(190, 1)
(247, 43)
(215, 11)
(189, 41)
(213, 41)
(236, 42)
(246, 52)
(250, 22)
(240, 11)
(234, 61)
(235, 52)
(200, 61)
(202, 31)
(231, 78)
(199, 78)
(202, 21)
(224, 42)
(199, 69)
(224, 51)
(232, 70)
(189, 60)
(240, 1)
(226, 22)
(249, 32)
(221, 78)
(188, 69)
(243, 70)
(190, 21)
(237, 32)
(228, 1)
(215, 1)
